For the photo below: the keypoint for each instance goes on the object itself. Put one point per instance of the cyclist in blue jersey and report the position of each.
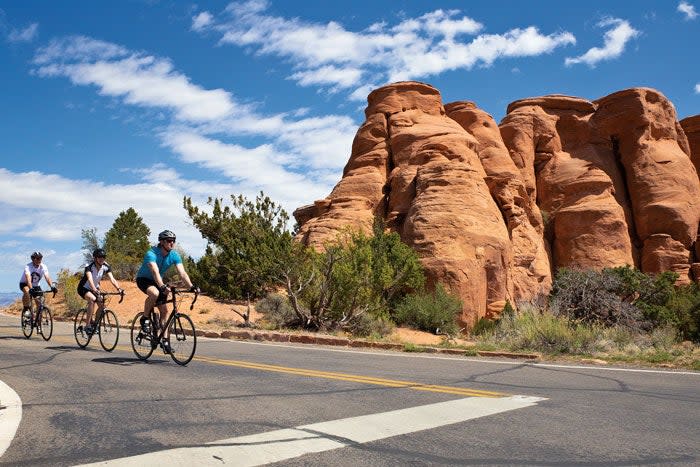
(149, 278)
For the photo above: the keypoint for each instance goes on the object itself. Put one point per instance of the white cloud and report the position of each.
(688, 10)
(140, 79)
(329, 55)
(27, 34)
(201, 21)
(615, 40)
(697, 88)
(328, 75)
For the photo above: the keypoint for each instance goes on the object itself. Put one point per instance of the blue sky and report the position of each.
(111, 105)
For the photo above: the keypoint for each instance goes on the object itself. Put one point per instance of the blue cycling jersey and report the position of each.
(163, 262)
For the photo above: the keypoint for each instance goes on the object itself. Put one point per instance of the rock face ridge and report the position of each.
(494, 211)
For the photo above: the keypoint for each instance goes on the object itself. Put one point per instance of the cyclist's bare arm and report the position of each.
(27, 277)
(91, 283)
(113, 281)
(48, 280)
(156, 274)
(183, 274)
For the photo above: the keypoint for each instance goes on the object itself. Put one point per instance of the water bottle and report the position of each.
(27, 314)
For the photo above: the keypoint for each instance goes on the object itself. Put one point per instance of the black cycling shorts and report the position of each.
(143, 283)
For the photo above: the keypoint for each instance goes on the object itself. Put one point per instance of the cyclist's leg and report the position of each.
(90, 297)
(152, 294)
(163, 317)
(26, 299)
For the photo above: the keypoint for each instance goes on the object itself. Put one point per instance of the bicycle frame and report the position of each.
(158, 336)
(182, 335)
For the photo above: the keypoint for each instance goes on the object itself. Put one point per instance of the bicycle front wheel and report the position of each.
(46, 323)
(141, 339)
(26, 322)
(183, 339)
(109, 330)
(82, 338)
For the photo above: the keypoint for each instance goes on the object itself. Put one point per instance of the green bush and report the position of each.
(276, 309)
(434, 312)
(247, 243)
(531, 329)
(353, 283)
(68, 285)
(594, 297)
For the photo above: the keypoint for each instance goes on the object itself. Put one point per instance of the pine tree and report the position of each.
(126, 243)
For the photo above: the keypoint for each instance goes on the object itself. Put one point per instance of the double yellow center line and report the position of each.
(392, 383)
(353, 378)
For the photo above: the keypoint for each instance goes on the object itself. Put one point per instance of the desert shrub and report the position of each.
(367, 325)
(276, 309)
(594, 297)
(68, 285)
(434, 311)
(247, 243)
(531, 329)
(353, 282)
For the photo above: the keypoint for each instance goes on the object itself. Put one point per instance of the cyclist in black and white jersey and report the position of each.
(89, 285)
(31, 277)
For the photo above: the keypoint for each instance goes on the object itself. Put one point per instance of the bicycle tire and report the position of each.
(108, 330)
(140, 341)
(27, 325)
(46, 323)
(82, 338)
(183, 339)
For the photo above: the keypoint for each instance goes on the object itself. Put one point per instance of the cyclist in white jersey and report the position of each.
(31, 276)
(89, 285)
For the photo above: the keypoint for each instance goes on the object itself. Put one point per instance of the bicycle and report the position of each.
(106, 324)
(38, 316)
(145, 335)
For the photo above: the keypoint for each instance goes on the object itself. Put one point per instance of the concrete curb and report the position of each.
(275, 336)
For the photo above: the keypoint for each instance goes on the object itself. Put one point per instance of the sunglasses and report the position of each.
(170, 240)
(100, 257)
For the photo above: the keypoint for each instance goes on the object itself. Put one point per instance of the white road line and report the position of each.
(279, 445)
(458, 358)
(10, 416)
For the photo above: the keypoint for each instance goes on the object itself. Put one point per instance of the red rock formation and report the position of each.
(436, 196)
(663, 186)
(531, 264)
(491, 211)
(691, 128)
(572, 174)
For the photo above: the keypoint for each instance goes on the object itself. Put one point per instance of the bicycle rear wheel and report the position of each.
(109, 330)
(26, 323)
(82, 338)
(141, 339)
(183, 340)
(46, 323)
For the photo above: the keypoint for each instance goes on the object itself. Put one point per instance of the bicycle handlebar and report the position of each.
(121, 295)
(39, 292)
(175, 291)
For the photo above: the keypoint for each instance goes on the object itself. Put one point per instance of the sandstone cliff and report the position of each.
(493, 212)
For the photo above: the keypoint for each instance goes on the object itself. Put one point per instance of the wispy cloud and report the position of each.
(27, 34)
(615, 40)
(688, 10)
(139, 78)
(299, 160)
(329, 55)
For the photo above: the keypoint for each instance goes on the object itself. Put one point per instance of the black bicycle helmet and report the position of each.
(166, 234)
(99, 253)
(37, 254)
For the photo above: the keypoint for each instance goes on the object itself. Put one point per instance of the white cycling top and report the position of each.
(35, 272)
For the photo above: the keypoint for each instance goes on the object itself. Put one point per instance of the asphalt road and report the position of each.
(306, 405)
